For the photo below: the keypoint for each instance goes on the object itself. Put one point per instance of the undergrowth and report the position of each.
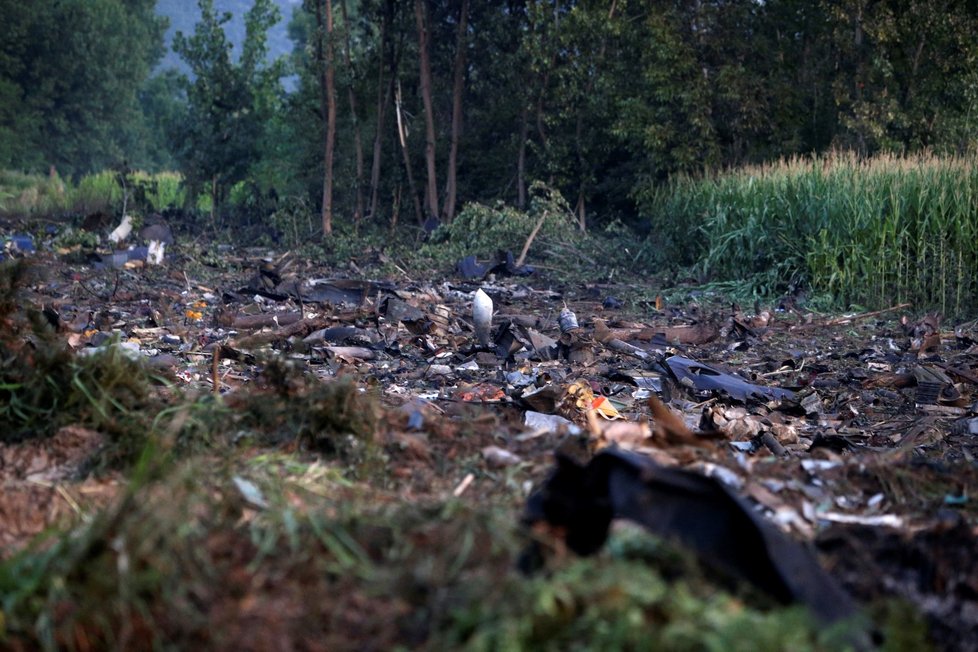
(239, 555)
(558, 248)
(44, 385)
(108, 191)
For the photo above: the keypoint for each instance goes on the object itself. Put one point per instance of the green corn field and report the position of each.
(862, 232)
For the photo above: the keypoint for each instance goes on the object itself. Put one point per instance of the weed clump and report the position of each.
(189, 561)
(44, 385)
(333, 418)
(483, 230)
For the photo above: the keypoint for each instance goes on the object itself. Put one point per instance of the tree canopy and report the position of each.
(70, 76)
(601, 99)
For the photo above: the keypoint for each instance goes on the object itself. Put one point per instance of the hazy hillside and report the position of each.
(184, 14)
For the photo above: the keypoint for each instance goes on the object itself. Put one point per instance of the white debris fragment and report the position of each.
(879, 520)
(438, 370)
(154, 253)
(122, 231)
(463, 485)
(482, 316)
(500, 457)
(813, 466)
(129, 349)
(539, 421)
(250, 491)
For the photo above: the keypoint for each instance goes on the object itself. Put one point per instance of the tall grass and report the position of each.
(868, 232)
(31, 193)
(34, 194)
(96, 192)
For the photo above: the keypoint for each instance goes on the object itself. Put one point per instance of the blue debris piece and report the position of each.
(415, 420)
(138, 253)
(19, 244)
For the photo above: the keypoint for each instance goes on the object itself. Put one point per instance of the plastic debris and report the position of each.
(19, 244)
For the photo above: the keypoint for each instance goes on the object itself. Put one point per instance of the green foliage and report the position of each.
(295, 221)
(97, 192)
(70, 72)
(483, 230)
(25, 194)
(48, 195)
(157, 192)
(228, 102)
(617, 605)
(869, 232)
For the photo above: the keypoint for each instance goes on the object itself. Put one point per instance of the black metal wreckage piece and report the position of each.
(698, 511)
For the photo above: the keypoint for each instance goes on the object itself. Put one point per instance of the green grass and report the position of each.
(34, 194)
(870, 232)
(31, 193)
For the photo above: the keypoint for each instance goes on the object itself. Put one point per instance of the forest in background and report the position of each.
(597, 99)
(399, 113)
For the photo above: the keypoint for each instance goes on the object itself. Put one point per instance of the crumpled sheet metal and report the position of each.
(706, 378)
(698, 511)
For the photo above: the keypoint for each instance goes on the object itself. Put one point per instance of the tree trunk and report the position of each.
(324, 23)
(521, 158)
(383, 100)
(431, 189)
(451, 185)
(581, 212)
(582, 162)
(357, 141)
(541, 129)
(402, 138)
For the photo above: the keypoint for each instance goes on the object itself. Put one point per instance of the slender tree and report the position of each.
(385, 89)
(424, 60)
(405, 153)
(354, 116)
(324, 53)
(458, 81)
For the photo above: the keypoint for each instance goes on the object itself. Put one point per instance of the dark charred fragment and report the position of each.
(700, 512)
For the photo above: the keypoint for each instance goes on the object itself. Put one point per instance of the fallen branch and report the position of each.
(529, 240)
(845, 320)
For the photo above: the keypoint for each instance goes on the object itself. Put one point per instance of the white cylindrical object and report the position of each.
(567, 320)
(482, 316)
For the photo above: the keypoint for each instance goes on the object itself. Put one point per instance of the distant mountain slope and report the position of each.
(184, 14)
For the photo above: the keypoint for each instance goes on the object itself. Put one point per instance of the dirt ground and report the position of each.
(855, 434)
